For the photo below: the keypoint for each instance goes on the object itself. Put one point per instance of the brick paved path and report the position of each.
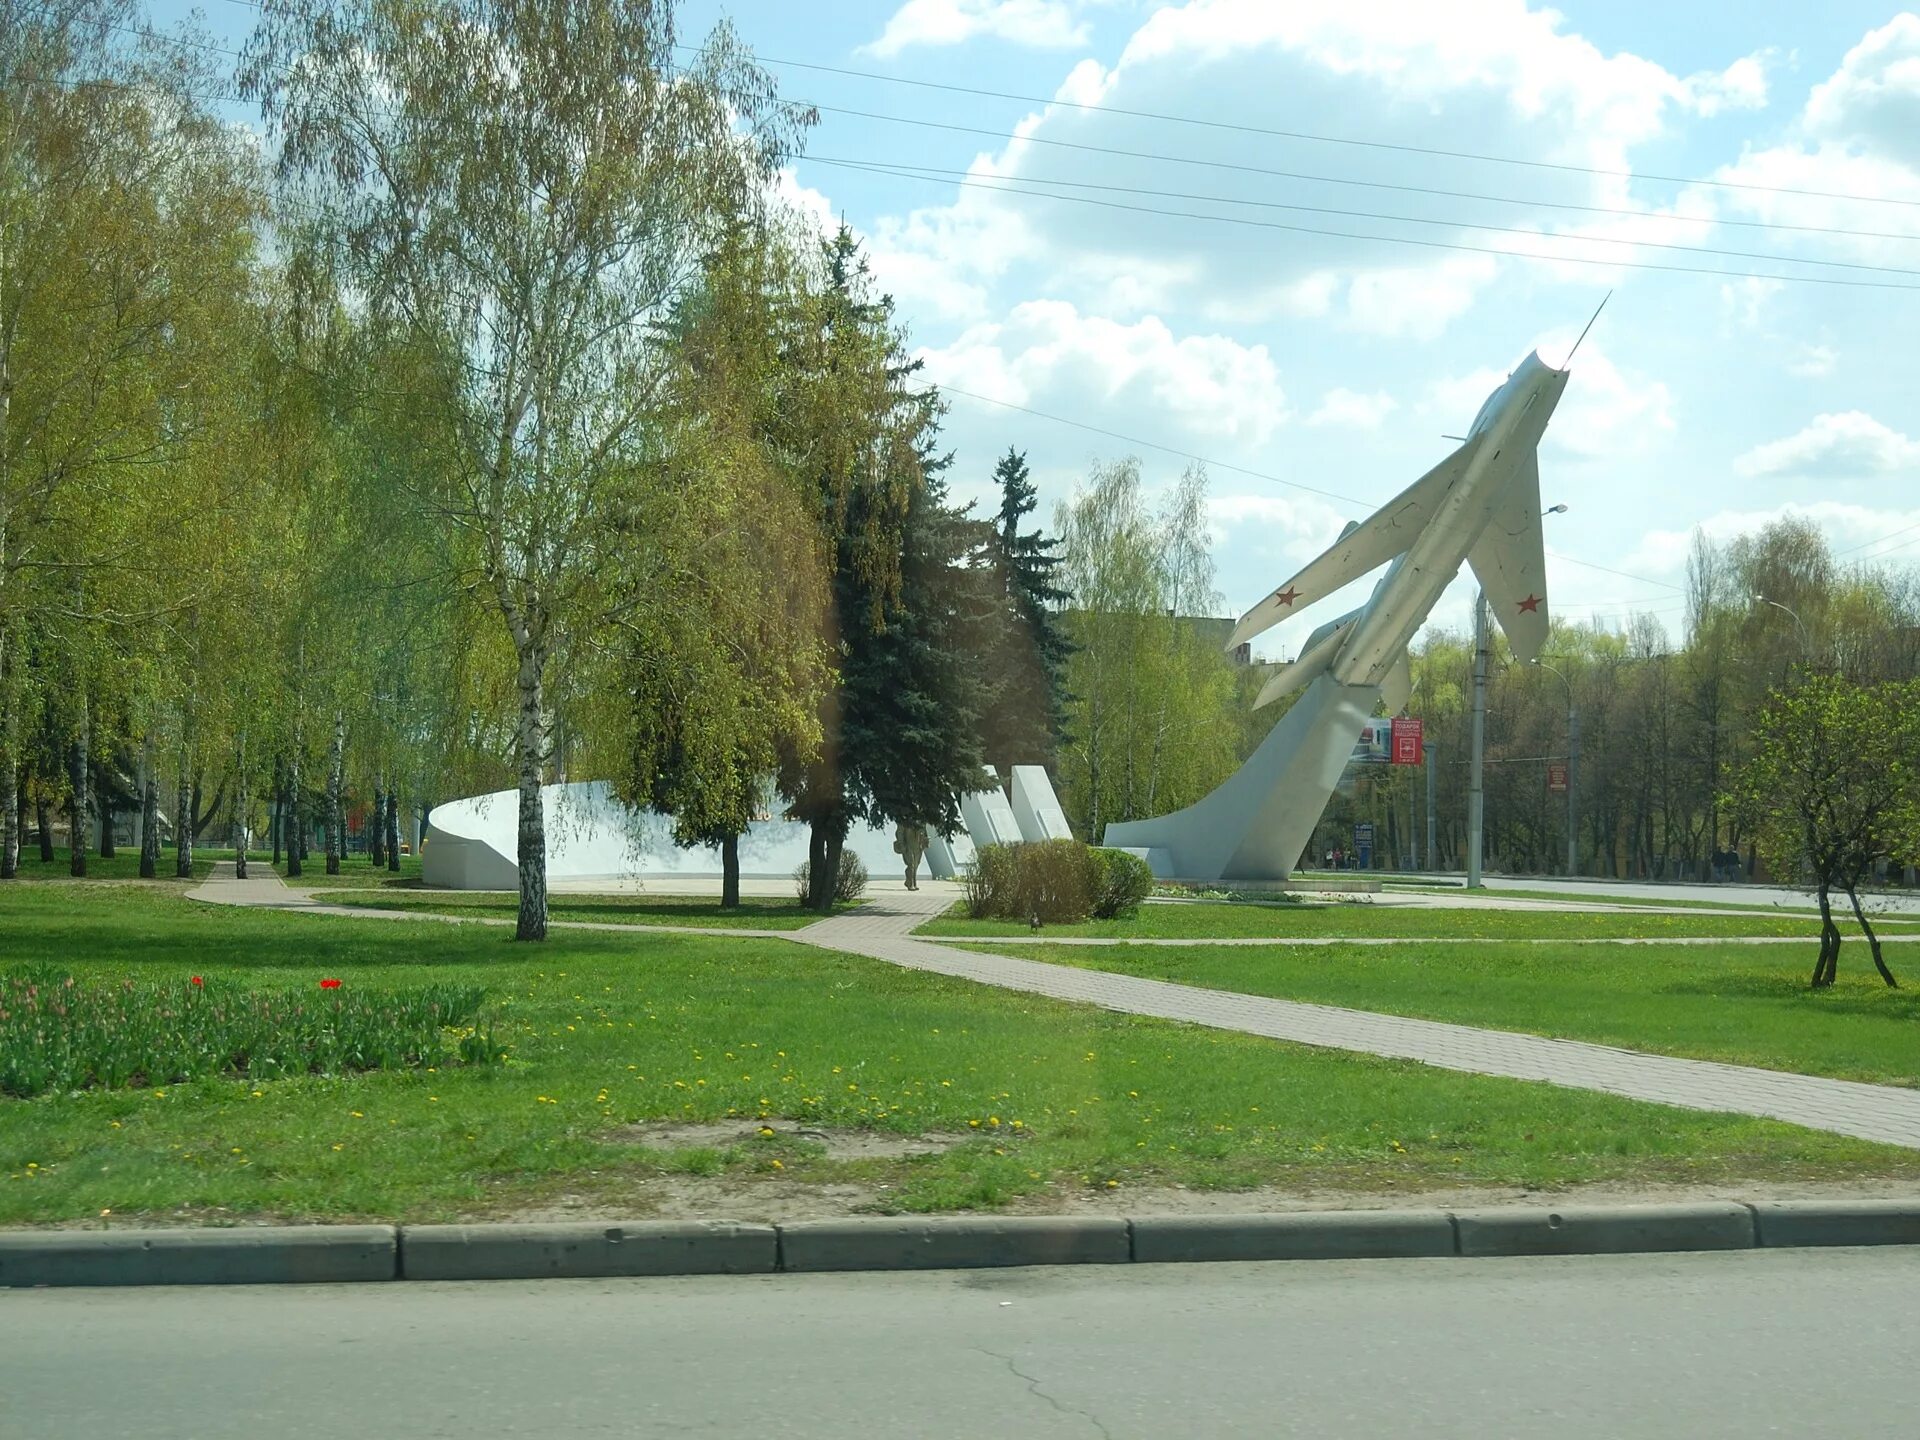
(882, 929)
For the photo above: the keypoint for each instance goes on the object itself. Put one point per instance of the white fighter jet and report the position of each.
(1480, 505)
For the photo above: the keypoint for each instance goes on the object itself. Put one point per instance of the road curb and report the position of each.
(954, 1242)
(1605, 1230)
(266, 1255)
(1328, 1235)
(1837, 1222)
(586, 1250)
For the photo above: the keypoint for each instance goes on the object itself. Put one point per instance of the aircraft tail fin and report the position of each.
(1509, 559)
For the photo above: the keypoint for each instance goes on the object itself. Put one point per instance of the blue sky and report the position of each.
(1337, 363)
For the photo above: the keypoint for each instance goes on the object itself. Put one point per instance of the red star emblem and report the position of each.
(1530, 605)
(1286, 596)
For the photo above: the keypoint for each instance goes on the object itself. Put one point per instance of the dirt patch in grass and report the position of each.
(768, 1199)
(838, 1143)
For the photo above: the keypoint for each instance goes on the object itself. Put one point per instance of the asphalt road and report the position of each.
(1745, 1344)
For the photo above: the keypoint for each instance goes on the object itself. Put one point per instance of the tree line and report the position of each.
(494, 424)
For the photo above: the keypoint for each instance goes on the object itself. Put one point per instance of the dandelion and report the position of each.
(161, 1094)
(339, 1147)
(258, 1093)
(766, 1132)
(356, 1115)
(106, 1212)
(778, 1166)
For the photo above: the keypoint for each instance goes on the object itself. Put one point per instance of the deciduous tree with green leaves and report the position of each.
(521, 190)
(1832, 787)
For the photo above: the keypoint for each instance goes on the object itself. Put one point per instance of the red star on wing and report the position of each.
(1286, 596)
(1530, 605)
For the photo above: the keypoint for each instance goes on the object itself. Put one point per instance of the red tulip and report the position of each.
(196, 980)
(329, 984)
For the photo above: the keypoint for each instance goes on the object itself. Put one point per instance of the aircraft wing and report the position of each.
(1510, 561)
(1360, 548)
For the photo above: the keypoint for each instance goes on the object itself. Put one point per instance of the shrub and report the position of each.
(1124, 882)
(1052, 881)
(849, 882)
(57, 1034)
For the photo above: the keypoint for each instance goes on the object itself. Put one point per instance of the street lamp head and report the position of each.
(1559, 509)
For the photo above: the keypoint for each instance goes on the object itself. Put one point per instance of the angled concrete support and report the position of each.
(1256, 823)
(1036, 810)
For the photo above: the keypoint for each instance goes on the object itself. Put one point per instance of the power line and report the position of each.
(1213, 464)
(1161, 157)
(1153, 445)
(937, 172)
(1246, 221)
(1276, 133)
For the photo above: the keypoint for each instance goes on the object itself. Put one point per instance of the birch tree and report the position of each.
(519, 189)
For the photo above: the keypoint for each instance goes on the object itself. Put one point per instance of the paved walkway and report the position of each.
(1043, 938)
(1886, 1113)
(264, 889)
(883, 929)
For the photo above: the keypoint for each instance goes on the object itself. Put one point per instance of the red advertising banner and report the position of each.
(1557, 777)
(1409, 747)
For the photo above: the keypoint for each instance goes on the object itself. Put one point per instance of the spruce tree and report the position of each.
(913, 692)
(1026, 651)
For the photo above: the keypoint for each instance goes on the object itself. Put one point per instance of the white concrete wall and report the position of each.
(989, 818)
(473, 844)
(1036, 810)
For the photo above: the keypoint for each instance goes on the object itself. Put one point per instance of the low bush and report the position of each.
(849, 882)
(1124, 883)
(1051, 881)
(58, 1034)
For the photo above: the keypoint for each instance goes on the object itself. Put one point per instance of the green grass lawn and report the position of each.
(603, 1030)
(1227, 920)
(755, 912)
(125, 865)
(1746, 1004)
(356, 871)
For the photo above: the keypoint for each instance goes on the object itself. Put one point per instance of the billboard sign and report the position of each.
(1375, 745)
(1408, 740)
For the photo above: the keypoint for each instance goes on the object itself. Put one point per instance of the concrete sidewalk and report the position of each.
(883, 930)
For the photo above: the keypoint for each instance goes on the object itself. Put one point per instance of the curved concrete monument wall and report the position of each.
(474, 844)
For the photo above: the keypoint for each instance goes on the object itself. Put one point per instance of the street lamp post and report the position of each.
(1806, 650)
(1573, 770)
(1476, 792)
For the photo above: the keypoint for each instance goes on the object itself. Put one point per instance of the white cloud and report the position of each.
(1741, 86)
(1849, 443)
(1605, 411)
(1814, 362)
(1858, 135)
(1042, 24)
(1745, 301)
(1341, 406)
(1873, 99)
(1477, 75)
(1847, 528)
(1047, 353)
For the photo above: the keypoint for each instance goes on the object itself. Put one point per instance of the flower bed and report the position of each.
(59, 1034)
